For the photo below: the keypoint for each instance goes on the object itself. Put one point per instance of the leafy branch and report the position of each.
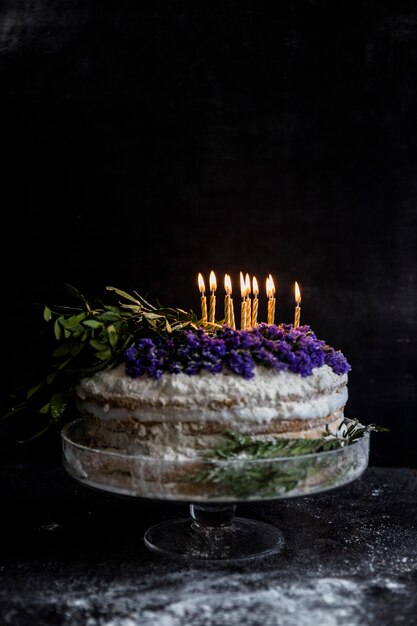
(89, 337)
(237, 445)
(243, 478)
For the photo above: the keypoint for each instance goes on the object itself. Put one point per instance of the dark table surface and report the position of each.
(73, 556)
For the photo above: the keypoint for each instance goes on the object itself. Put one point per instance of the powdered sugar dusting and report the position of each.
(201, 600)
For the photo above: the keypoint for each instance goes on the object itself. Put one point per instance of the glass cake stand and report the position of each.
(213, 488)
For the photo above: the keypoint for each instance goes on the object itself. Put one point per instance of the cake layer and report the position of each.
(191, 439)
(224, 397)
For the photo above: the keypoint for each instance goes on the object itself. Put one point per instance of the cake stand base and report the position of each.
(213, 533)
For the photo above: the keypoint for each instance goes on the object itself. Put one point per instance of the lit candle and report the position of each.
(243, 304)
(268, 295)
(203, 299)
(232, 310)
(232, 314)
(228, 289)
(248, 301)
(213, 287)
(255, 303)
(297, 307)
(270, 292)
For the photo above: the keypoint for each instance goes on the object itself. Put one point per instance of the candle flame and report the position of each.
(297, 293)
(255, 287)
(201, 284)
(270, 287)
(242, 285)
(247, 284)
(227, 284)
(213, 281)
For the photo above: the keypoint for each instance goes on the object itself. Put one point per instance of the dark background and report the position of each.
(144, 142)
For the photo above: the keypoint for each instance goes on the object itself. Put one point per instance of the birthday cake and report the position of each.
(174, 395)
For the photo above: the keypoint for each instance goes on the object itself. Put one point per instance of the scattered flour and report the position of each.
(210, 599)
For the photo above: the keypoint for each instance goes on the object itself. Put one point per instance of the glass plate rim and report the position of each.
(217, 462)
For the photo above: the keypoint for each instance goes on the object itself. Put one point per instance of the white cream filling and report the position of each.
(179, 397)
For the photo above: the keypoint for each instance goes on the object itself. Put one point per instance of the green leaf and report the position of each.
(57, 329)
(47, 314)
(76, 348)
(113, 309)
(45, 408)
(75, 293)
(113, 336)
(33, 390)
(73, 321)
(64, 364)
(134, 309)
(104, 355)
(123, 294)
(153, 316)
(62, 350)
(98, 345)
(57, 405)
(92, 324)
(109, 316)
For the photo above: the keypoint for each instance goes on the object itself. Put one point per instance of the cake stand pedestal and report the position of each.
(214, 533)
(213, 489)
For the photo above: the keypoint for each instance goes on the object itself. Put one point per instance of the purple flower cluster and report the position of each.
(282, 348)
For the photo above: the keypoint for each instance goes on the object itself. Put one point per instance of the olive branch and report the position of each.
(89, 337)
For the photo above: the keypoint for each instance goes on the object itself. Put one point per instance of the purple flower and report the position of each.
(281, 348)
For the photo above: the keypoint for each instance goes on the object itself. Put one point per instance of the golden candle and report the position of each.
(203, 299)
(297, 305)
(213, 287)
(232, 314)
(232, 310)
(272, 299)
(255, 303)
(227, 310)
(270, 292)
(243, 304)
(248, 301)
(269, 296)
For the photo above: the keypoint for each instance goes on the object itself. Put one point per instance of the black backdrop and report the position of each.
(144, 142)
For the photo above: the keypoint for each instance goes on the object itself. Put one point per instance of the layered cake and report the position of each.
(174, 395)
(159, 403)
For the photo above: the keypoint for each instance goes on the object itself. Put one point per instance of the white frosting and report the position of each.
(219, 397)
